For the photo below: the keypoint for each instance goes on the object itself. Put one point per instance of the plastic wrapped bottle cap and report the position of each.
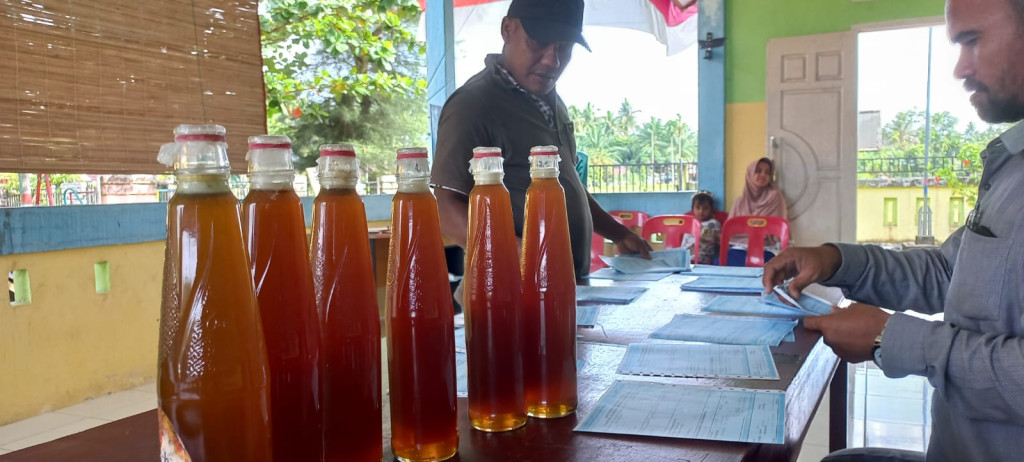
(412, 153)
(337, 150)
(544, 151)
(269, 142)
(270, 154)
(484, 151)
(197, 149)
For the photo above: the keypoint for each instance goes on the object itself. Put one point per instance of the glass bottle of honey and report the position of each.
(275, 233)
(347, 302)
(212, 372)
(420, 326)
(548, 321)
(492, 301)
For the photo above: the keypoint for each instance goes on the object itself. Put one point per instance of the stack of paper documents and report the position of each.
(586, 315)
(728, 284)
(699, 360)
(729, 330)
(607, 294)
(806, 305)
(733, 271)
(615, 275)
(684, 411)
(662, 261)
(769, 305)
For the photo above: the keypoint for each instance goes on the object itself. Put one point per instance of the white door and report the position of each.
(811, 104)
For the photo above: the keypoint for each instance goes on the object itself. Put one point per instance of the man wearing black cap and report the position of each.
(512, 104)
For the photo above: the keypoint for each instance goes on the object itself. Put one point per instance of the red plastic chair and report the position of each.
(720, 215)
(596, 250)
(756, 228)
(632, 219)
(672, 229)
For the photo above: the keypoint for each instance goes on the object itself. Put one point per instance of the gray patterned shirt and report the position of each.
(975, 357)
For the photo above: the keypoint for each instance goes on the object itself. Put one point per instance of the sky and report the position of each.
(631, 64)
(624, 64)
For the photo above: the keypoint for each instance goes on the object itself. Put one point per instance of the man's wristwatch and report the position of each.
(876, 351)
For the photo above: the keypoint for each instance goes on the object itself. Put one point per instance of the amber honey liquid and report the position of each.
(276, 238)
(350, 320)
(420, 332)
(548, 321)
(212, 367)
(493, 297)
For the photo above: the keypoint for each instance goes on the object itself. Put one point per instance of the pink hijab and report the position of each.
(766, 201)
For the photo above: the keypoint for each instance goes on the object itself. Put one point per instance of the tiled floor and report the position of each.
(883, 412)
(71, 420)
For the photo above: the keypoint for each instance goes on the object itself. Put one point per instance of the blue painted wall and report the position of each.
(659, 203)
(43, 229)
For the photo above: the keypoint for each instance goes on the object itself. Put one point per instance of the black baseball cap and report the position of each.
(549, 21)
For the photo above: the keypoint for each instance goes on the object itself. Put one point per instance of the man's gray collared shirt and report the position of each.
(975, 357)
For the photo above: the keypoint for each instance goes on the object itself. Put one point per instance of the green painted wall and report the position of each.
(751, 23)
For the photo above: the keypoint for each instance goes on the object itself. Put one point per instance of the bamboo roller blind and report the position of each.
(96, 86)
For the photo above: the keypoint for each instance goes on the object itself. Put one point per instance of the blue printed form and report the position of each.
(615, 275)
(586, 315)
(461, 377)
(661, 261)
(460, 339)
(807, 304)
(686, 411)
(728, 330)
(745, 304)
(727, 284)
(699, 360)
(605, 294)
(727, 271)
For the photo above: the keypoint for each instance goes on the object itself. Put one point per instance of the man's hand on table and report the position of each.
(850, 331)
(806, 265)
(632, 244)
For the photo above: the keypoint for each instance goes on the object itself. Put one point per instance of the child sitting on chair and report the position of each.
(703, 209)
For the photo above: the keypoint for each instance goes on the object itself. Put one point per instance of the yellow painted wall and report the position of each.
(71, 343)
(870, 206)
(745, 135)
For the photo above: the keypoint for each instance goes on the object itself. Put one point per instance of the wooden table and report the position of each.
(805, 366)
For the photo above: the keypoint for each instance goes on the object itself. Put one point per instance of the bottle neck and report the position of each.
(485, 178)
(273, 181)
(338, 182)
(192, 183)
(414, 185)
(544, 173)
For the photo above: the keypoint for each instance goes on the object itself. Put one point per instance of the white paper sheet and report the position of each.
(728, 284)
(662, 261)
(699, 360)
(728, 330)
(607, 294)
(615, 275)
(685, 411)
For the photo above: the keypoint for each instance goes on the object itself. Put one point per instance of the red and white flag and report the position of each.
(672, 22)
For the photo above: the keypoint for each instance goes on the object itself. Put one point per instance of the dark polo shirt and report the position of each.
(487, 111)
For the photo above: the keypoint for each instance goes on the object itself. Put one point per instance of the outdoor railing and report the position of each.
(668, 177)
(907, 167)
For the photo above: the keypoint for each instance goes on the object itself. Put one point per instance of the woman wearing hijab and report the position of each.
(760, 195)
(760, 198)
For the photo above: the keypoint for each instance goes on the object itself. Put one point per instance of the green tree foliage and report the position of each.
(345, 71)
(615, 138)
(955, 152)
